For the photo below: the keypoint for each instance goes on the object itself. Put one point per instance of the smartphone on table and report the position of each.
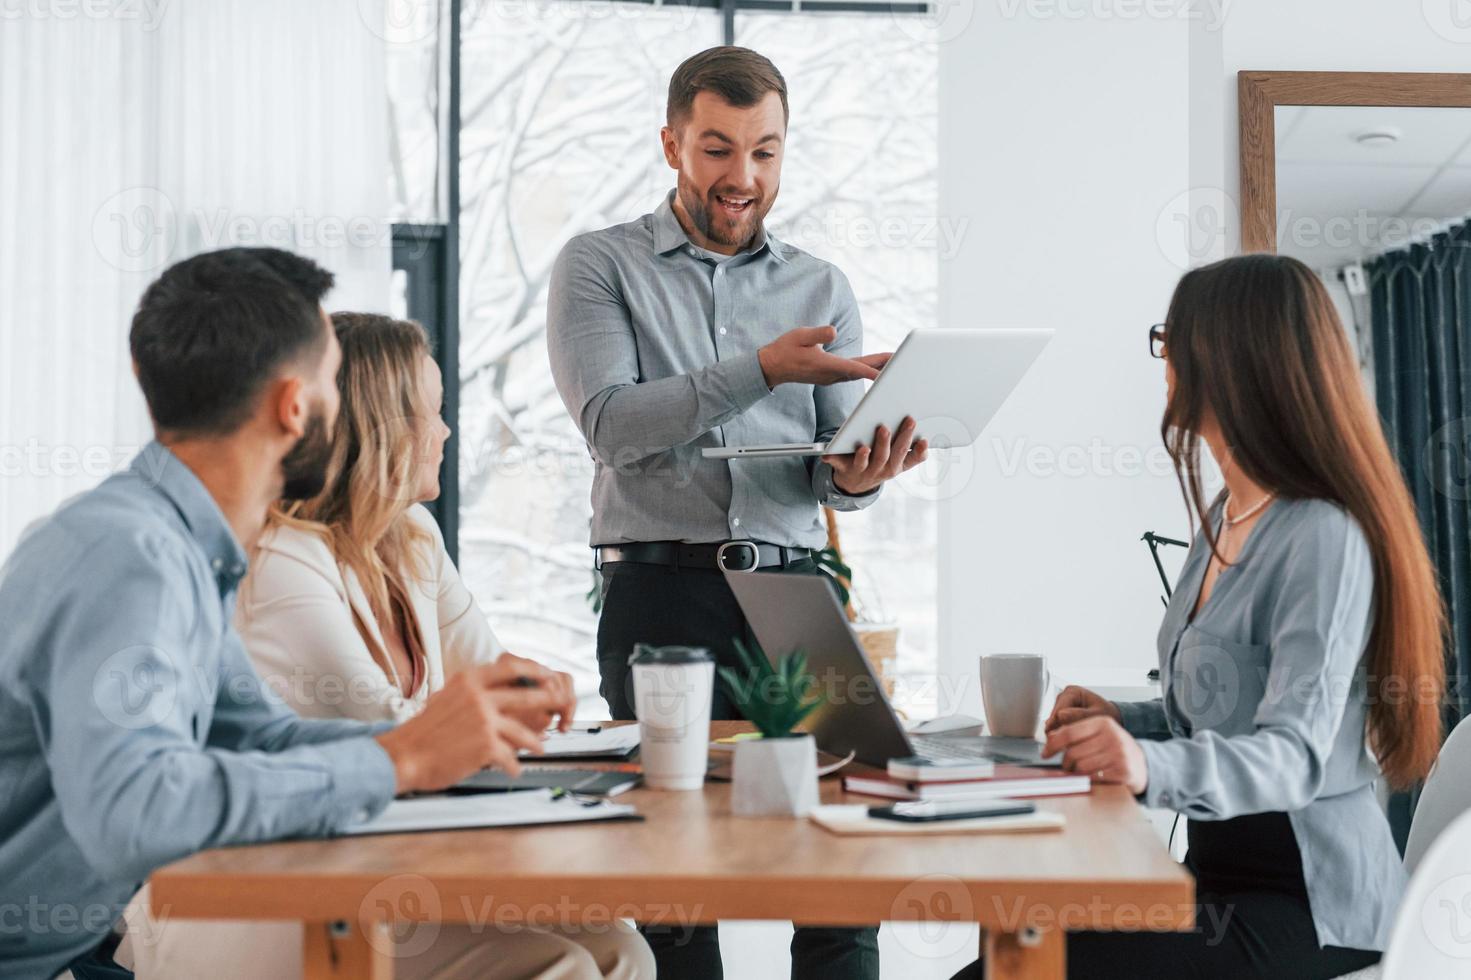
(925, 811)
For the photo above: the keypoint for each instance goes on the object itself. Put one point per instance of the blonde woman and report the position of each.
(352, 608)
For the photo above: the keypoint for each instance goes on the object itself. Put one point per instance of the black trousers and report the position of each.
(1238, 936)
(1252, 917)
(664, 606)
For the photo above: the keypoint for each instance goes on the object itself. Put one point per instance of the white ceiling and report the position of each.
(1339, 201)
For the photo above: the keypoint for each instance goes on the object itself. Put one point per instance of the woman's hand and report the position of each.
(481, 718)
(513, 671)
(1099, 747)
(1076, 703)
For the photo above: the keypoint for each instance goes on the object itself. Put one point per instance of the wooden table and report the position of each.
(692, 862)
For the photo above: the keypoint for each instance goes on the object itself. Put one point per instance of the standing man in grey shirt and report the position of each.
(694, 327)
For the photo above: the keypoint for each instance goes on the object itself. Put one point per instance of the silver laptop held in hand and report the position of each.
(951, 382)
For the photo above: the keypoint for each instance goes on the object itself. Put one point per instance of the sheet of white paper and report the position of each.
(945, 723)
(608, 741)
(485, 810)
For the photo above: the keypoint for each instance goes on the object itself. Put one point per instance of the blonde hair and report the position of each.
(362, 511)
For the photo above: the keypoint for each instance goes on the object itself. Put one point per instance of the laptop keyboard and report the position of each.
(943, 747)
(934, 747)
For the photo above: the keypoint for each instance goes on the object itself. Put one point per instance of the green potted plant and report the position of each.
(776, 774)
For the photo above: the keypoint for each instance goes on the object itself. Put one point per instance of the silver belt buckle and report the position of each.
(755, 556)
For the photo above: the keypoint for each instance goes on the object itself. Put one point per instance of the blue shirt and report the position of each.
(133, 730)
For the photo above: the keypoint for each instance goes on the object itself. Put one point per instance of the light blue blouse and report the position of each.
(1264, 707)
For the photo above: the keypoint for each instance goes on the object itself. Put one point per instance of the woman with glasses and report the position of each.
(1301, 655)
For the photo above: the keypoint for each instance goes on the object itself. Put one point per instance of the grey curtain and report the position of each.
(1421, 305)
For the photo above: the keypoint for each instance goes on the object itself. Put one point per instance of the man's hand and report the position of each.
(1076, 703)
(798, 356)
(482, 717)
(861, 471)
(1100, 747)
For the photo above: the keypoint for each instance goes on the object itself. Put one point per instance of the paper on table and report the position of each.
(508, 810)
(608, 741)
(848, 818)
(945, 723)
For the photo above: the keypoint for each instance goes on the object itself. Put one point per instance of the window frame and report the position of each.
(432, 250)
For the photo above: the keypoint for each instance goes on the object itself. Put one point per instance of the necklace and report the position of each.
(1228, 522)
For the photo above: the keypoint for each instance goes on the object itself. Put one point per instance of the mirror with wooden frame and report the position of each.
(1338, 167)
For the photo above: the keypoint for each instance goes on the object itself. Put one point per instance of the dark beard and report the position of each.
(305, 466)
(701, 215)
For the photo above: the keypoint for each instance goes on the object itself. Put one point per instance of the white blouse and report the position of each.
(295, 616)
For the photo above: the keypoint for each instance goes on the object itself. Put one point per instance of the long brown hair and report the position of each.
(362, 510)
(1255, 342)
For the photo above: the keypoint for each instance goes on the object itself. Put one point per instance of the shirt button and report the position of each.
(217, 564)
(722, 331)
(736, 522)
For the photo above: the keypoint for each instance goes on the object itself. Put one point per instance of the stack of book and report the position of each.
(910, 779)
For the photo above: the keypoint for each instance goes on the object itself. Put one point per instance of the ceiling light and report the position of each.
(1383, 136)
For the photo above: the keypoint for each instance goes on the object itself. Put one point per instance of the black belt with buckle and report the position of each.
(727, 556)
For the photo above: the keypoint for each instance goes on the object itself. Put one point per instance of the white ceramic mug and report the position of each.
(672, 688)
(1012, 687)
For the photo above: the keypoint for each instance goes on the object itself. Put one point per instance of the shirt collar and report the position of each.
(160, 469)
(670, 235)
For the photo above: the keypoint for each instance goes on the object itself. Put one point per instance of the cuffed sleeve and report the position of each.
(828, 495)
(1144, 719)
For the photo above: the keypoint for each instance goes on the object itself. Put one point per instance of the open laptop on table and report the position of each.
(950, 381)
(792, 612)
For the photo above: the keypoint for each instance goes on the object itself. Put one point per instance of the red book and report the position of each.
(1008, 781)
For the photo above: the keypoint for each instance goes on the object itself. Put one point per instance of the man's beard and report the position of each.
(710, 220)
(305, 466)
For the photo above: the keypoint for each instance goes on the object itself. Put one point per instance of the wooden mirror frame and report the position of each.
(1260, 92)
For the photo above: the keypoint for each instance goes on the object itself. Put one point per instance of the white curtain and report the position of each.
(135, 134)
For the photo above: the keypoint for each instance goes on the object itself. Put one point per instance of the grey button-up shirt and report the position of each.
(133, 730)
(653, 348)
(1265, 703)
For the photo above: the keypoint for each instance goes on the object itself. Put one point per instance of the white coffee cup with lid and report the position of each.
(672, 690)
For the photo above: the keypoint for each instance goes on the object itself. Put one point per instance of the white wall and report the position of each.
(1063, 142)
(1091, 144)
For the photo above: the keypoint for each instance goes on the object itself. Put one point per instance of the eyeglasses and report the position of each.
(1157, 340)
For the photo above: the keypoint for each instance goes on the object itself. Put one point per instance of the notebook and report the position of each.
(462, 812)
(599, 743)
(1007, 781)
(584, 782)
